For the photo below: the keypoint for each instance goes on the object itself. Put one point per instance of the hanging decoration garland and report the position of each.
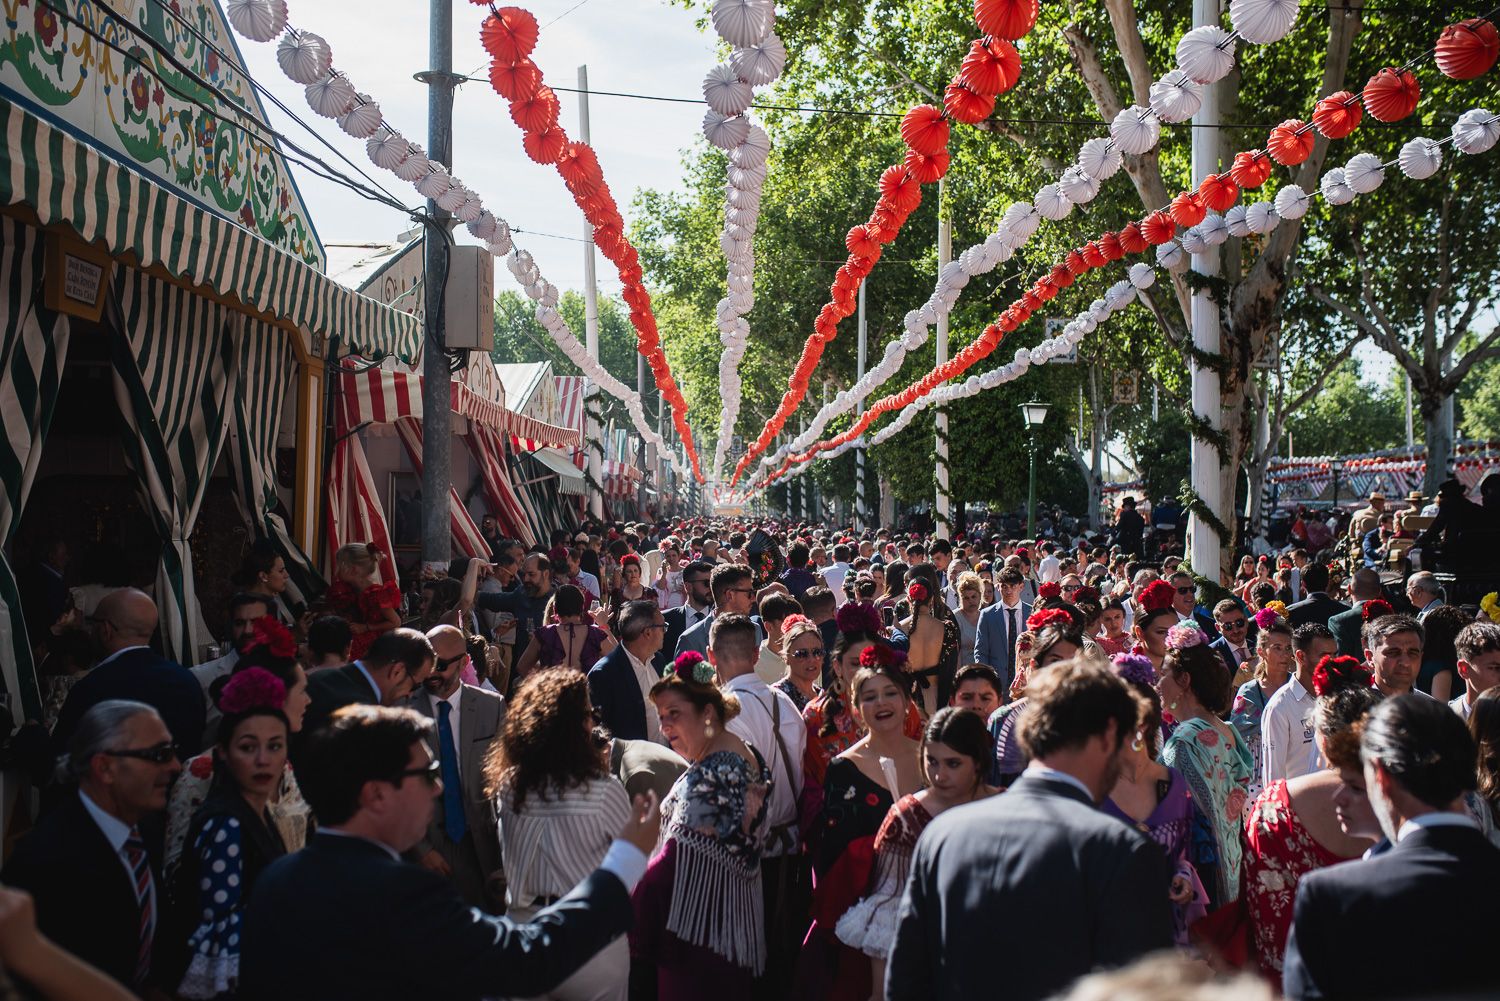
(509, 35)
(991, 67)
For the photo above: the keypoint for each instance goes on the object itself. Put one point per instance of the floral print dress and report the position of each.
(1217, 769)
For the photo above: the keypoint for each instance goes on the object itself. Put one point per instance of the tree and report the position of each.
(1348, 415)
(1482, 409)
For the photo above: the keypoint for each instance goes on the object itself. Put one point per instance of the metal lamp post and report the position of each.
(1336, 467)
(1033, 414)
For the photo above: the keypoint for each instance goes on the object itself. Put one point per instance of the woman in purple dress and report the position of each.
(569, 639)
(1155, 799)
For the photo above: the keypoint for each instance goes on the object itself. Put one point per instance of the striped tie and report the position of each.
(140, 871)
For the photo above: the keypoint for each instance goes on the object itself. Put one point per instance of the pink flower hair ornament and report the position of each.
(1185, 635)
(252, 688)
(1133, 667)
(690, 666)
(1266, 618)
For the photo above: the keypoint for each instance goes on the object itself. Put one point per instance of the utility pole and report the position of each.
(437, 434)
(861, 513)
(640, 464)
(1204, 545)
(944, 507)
(590, 322)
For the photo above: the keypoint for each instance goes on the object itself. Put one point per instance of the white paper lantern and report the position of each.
(387, 151)
(1335, 187)
(761, 63)
(1175, 97)
(482, 226)
(1120, 295)
(332, 97)
(1206, 54)
(499, 244)
(1022, 219)
(1077, 187)
(1261, 217)
(1100, 159)
(752, 153)
(725, 92)
(1262, 22)
(1214, 230)
(1023, 356)
(1234, 221)
(1365, 172)
(257, 20)
(1193, 241)
(304, 57)
(1476, 131)
(1142, 275)
(1135, 130)
(1051, 204)
(415, 165)
(1098, 310)
(742, 23)
(1292, 202)
(434, 183)
(363, 119)
(725, 131)
(470, 208)
(1171, 256)
(1420, 159)
(1086, 321)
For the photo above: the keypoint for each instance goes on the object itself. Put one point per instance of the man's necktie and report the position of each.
(140, 873)
(1010, 642)
(453, 795)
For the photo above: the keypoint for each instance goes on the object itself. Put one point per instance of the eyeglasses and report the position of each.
(444, 663)
(1186, 590)
(158, 754)
(431, 773)
(817, 653)
(1234, 624)
(742, 590)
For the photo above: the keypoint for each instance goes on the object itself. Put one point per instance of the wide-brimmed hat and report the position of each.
(1376, 495)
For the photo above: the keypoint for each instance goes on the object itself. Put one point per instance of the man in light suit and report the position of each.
(1042, 850)
(1435, 882)
(733, 586)
(999, 625)
(463, 839)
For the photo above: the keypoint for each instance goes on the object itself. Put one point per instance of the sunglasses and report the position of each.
(1185, 590)
(444, 663)
(1234, 624)
(158, 754)
(817, 653)
(430, 774)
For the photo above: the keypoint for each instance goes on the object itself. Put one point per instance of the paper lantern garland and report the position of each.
(1467, 49)
(1337, 115)
(257, 20)
(1392, 94)
(1420, 159)
(304, 57)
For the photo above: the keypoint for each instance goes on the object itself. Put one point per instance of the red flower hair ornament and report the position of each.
(1051, 589)
(881, 655)
(1157, 595)
(1038, 621)
(857, 617)
(917, 592)
(1374, 609)
(1334, 674)
(267, 632)
(252, 688)
(690, 666)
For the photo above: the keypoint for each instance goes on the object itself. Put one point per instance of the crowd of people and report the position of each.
(770, 760)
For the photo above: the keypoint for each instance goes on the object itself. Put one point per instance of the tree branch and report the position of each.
(1481, 350)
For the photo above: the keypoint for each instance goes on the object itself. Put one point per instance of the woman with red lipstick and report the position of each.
(232, 837)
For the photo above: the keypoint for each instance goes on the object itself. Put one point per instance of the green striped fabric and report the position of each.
(265, 366)
(174, 369)
(33, 346)
(67, 181)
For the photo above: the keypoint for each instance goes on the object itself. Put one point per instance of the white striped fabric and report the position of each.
(354, 511)
(466, 535)
(33, 348)
(556, 840)
(174, 369)
(488, 449)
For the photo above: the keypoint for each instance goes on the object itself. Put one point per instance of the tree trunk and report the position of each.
(1437, 432)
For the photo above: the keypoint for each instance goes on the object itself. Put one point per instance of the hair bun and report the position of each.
(1334, 674)
(1375, 608)
(858, 617)
(1157, 596)
(252, 688)
(881, 655)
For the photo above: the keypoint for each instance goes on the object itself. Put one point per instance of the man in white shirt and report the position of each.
(1478, 646)
(580, 577)
(1424, 592)
(768, 721)
(1286, 724)
(940, 552)
(1049, 571)
(244, 609)
(836, 573)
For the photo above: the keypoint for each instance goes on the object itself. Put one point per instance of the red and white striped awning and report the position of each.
(382, 395)
(466, 534)
(529, 434)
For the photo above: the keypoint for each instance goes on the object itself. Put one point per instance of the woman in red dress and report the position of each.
(368, 607)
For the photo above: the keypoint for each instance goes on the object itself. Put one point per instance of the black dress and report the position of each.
(854, 807)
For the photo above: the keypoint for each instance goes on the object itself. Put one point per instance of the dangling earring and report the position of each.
(708, 729)
(1137, 743)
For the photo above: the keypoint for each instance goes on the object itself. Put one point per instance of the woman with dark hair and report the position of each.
(1295, 826)
(698, 909)
(232, 836)
(1050, 638)
(559, 810)
(271, 648)
(1154, 799)
(630, 589)
(566, 640)
(1194, 688)
(802, 649)
(955, 754)
(1274, 664)
(895, 586)
(1439, 674)
(263, 571)
(1155, 617)
(929, 635)
(1483, 803)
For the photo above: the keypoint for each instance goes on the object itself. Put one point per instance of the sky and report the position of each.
(637, 46)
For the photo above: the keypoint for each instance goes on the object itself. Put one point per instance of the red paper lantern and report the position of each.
(1060, 276)
(1391, 94)
(1337, 115)
(1109, 245)
(1010, 19)
(1093, 255)
(926, 169)
(860, 243)
(1044, 291)
(1007, 322)
(579, 164)
(1467, 49)
(1132, 239)
(898, 188)
(1030, 302)
(545, 146)
(1290, 143)
(536, 111)
(991, 67)
(509, 34)
(1218, 192)
(1251, 169)
(515, 80)
(967, 106)
(1075, 263)
(1158, 228)
(925, 130)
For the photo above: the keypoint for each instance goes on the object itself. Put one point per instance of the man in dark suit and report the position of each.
(344, 917)
(123, 624)
(1042, 850)
(1346, 625)
(733, 586)
(1439, 874)
(396, 663)
(463, 840)
(1233, 643)
(999, 625)
(1317, 606)
(1185, 604)
(699, 606)
(618, 683)
(98, 893)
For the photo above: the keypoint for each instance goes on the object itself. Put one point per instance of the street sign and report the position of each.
(1127, 388)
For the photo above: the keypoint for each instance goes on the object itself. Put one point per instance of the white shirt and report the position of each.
(646, 677)
(1438, 818)
(1049, 571)
(453, 717)
(117, 832)
(1461, 705)
(834, 577)
(589, 583)
(692, 616)
(1286, 734)
(756, 727)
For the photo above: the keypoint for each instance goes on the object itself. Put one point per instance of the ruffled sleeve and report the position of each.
(214, 946)
(376, 598)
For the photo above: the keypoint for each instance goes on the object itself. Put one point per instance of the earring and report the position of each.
(708, 729)
(1137, 743)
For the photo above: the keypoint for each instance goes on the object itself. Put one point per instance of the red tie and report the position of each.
(140, 871)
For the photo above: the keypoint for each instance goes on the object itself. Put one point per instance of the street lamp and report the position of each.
(1033, 414)
(1336, 466)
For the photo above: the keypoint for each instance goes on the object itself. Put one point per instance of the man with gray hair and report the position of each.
(85, 863)
(1424, 592)
(619, 685)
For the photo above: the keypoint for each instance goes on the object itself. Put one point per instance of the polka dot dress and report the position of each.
(215, 944)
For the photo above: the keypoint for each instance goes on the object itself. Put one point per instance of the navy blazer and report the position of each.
(1348, 628)
(616, 694)
(141, 675)
(993, 647)
(1227, 653)
(1436, 885)
(676, 620)
(1317, 608)
(1090, 888)
(333, 688)
(342, 918)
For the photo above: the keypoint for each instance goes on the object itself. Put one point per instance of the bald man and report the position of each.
(462, 842)
(123, 625)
